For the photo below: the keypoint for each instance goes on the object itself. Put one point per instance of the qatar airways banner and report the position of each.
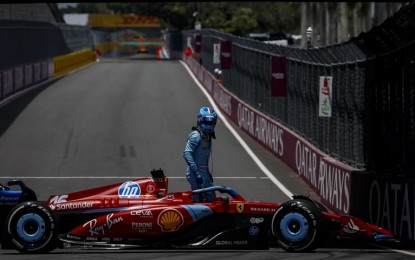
(388, 202)
(329, 178)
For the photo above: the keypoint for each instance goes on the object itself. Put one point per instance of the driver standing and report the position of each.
(197, 152)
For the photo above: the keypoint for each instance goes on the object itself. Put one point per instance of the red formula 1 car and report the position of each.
(141, 214)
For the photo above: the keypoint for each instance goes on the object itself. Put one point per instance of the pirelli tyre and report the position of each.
(298, 226)
(31, 227)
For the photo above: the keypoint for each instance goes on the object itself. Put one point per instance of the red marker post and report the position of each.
(188, 51)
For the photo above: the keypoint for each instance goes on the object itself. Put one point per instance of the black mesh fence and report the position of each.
(390, 94)
(249, 77)
(372, 123)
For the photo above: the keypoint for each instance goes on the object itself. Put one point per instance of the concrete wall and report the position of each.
(29, 12)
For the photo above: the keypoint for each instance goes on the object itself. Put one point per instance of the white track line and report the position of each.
(111, 177)
(394, 250)
(238, 138)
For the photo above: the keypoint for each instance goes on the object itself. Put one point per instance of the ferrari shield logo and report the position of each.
(240, 207)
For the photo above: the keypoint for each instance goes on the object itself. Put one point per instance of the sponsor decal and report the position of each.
(278, 75)
(158, 180)
(9, 201)
(225, 54)
(391, 205)
(231, 243)
(332, 182)
(240, 207)
(142, 213)
(333, 186)
(58, 199)
(129, 190)
(256, 220)
(216, 53)
(306, 162)
(113, 21)
(170, 220)
(254, 230)
(134, 239)
(14, 241)
(72, 205)
(4, 198)
(278, 82)
(131, 20)
(207, 82)
(73, 237)
(223, 99)
(266, 132)
(150, 188)
(325, 97)
(142, 227)
(97, 230)
(262, 209)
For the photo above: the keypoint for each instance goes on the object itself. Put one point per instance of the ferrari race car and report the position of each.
(141, 214)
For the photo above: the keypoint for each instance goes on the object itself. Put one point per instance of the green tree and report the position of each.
(90, 8)
(234, 17)
(243, 21)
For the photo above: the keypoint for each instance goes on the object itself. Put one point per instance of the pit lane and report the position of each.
(120, 118)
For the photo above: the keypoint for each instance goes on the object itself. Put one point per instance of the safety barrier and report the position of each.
(19, 78)
(15, 80)
(72, 61)
(106, 47)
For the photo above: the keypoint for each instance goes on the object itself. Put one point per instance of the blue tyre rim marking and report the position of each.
(30, 227)
(294, 227)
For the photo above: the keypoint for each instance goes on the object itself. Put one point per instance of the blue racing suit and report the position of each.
(196, 154)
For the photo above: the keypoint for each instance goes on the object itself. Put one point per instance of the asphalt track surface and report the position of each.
(118, 119)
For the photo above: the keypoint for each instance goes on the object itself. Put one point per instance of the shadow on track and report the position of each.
(10, 110)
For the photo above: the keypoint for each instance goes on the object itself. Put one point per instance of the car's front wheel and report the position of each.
(297, 226)
(31, 227)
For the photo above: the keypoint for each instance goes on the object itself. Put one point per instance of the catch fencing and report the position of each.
(371, 126)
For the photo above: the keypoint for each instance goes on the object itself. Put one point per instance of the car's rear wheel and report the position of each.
(31, 227)
(297, 226)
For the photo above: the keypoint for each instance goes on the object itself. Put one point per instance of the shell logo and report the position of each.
(170, 220)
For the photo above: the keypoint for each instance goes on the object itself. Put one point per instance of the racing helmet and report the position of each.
(206, 119)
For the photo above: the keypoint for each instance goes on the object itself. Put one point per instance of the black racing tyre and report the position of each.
(319, 205)
(32, 228)
(298, 226)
